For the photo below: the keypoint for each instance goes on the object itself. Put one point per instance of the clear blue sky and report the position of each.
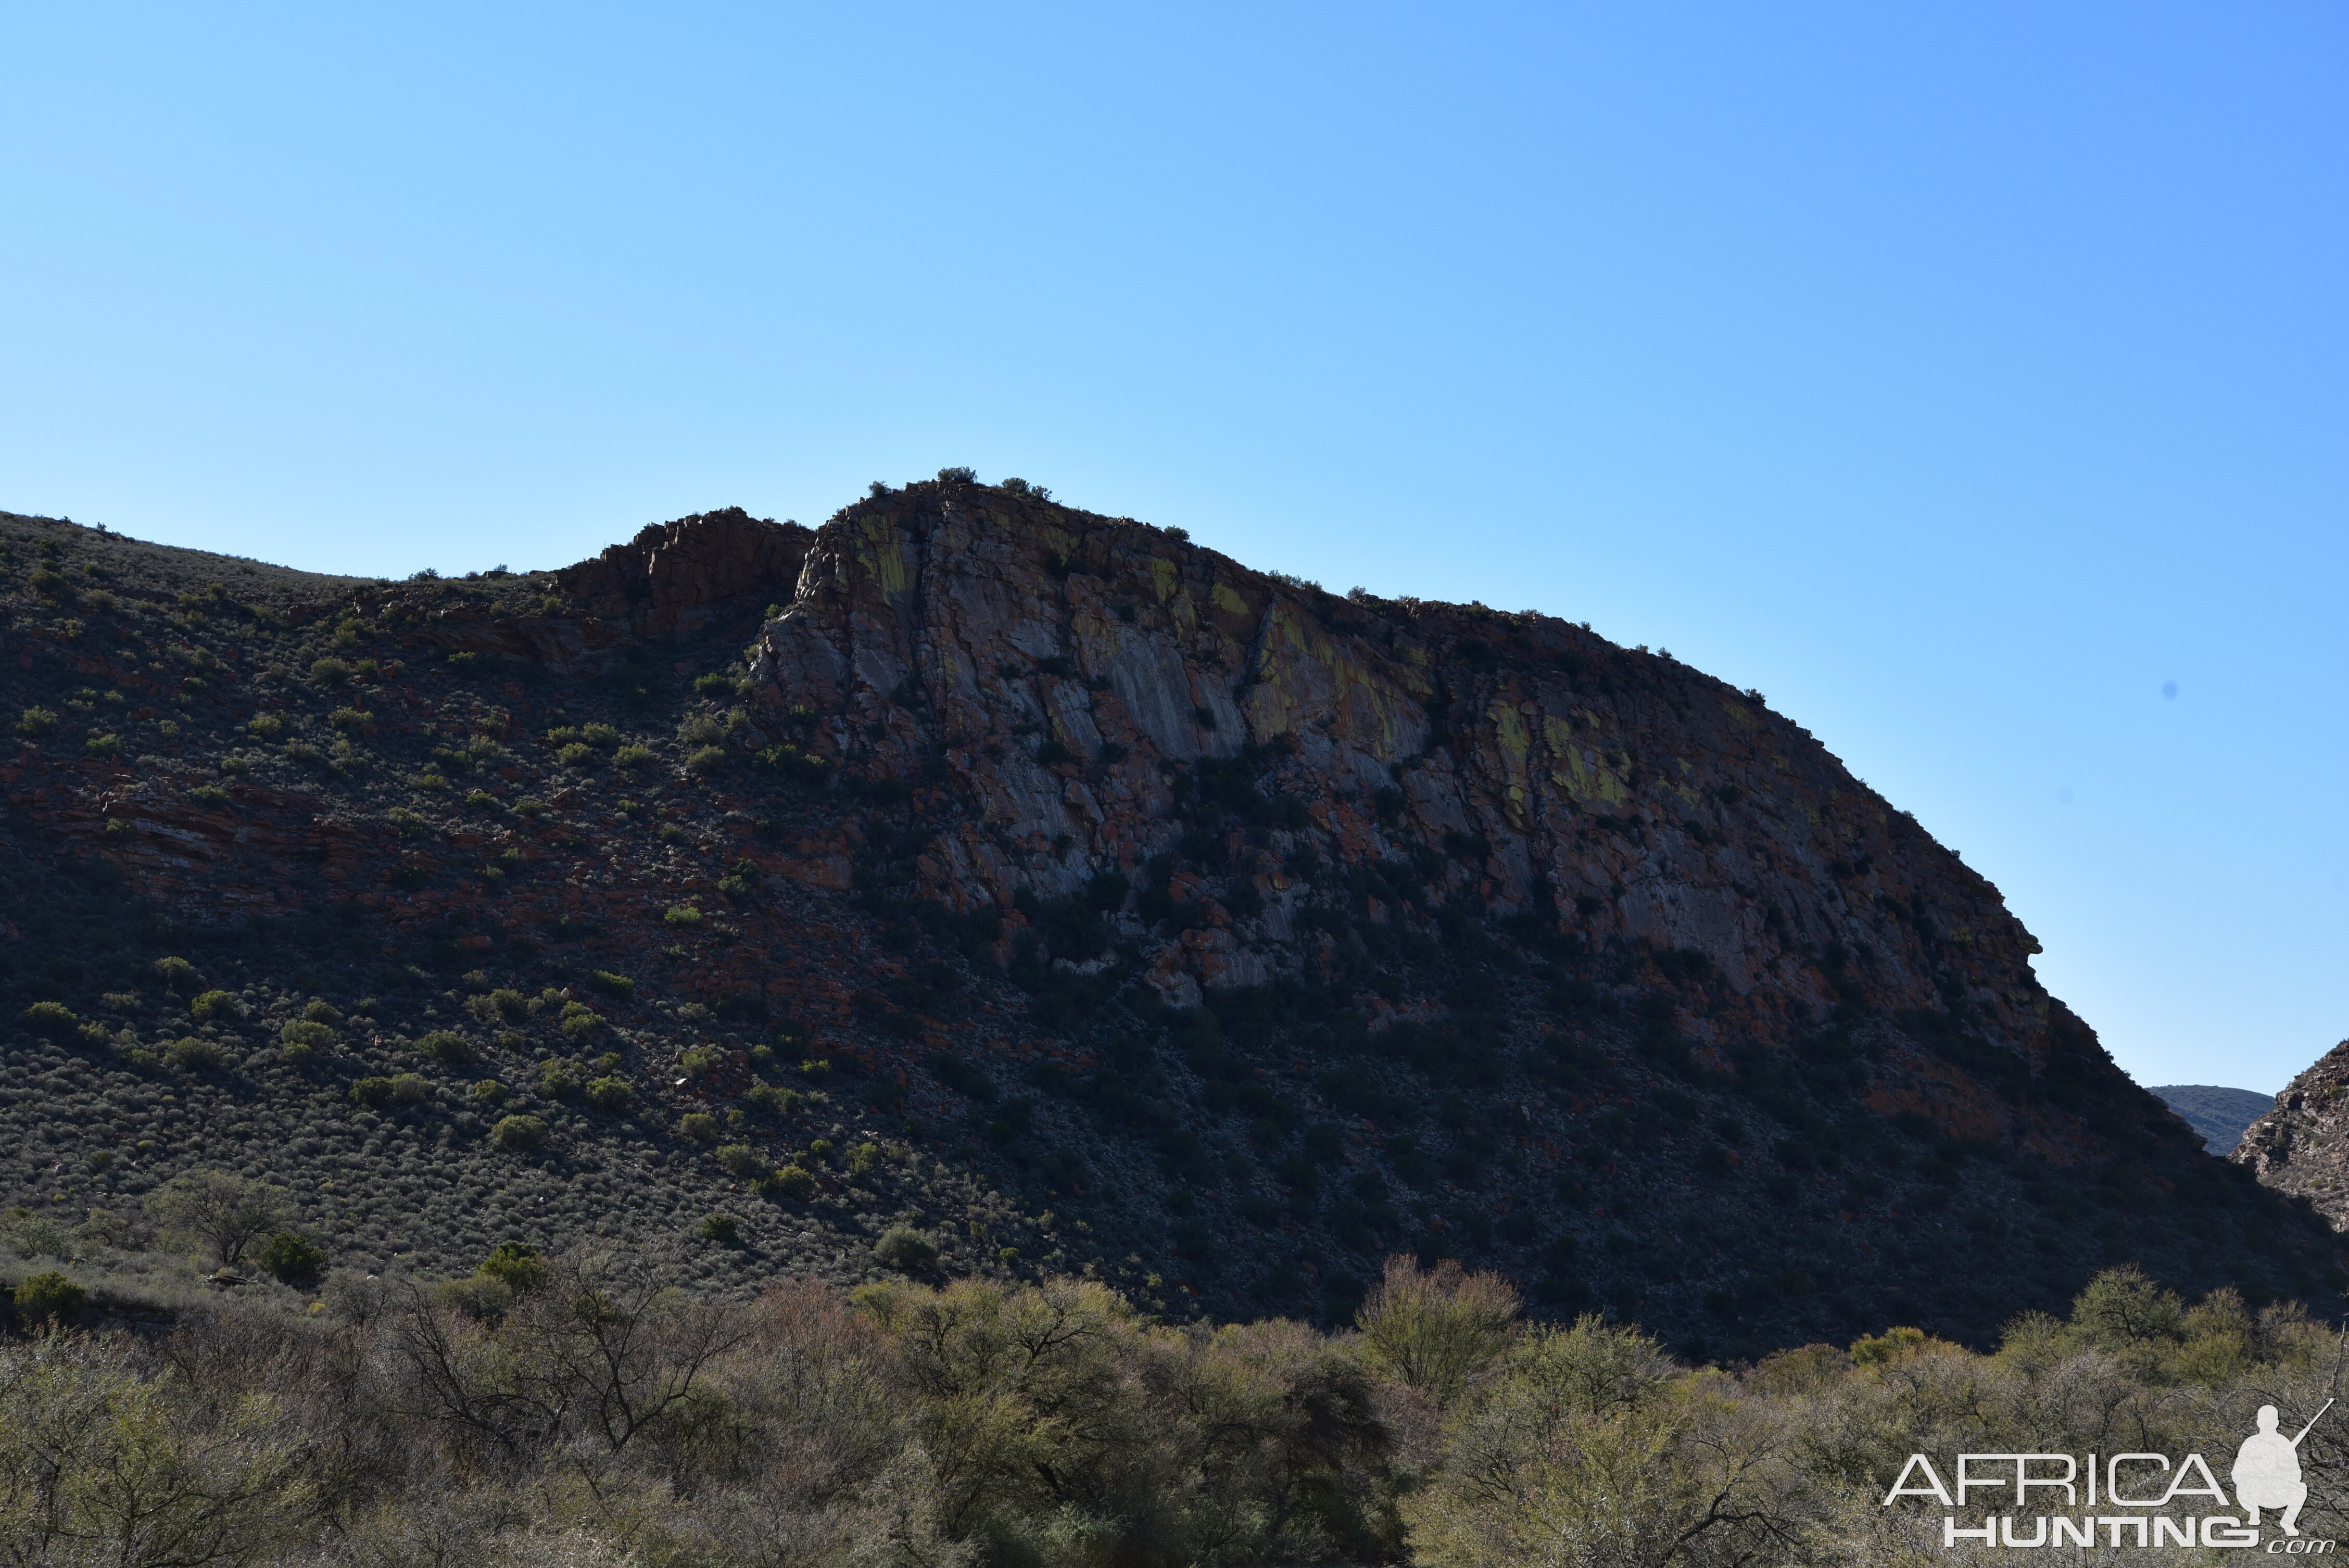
(1961, 375)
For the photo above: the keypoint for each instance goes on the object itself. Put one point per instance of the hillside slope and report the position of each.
(2219, 1115)
(1058, 889)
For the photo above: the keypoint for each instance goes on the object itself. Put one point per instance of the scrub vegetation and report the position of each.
(583, 1410)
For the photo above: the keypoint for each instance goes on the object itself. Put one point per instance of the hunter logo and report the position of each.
(2181, 1503)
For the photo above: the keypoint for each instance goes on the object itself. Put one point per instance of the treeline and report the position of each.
(581, 1411)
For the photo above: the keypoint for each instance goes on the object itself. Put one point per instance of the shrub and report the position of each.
(480, 799)
(682, 914)
(308, 1033)
(716, 685)
(864, 1159)
(477, 1297)
(330, 672)
(706, 759)
(516, 1133)
(347, 719)
(37, 721)
(214, 1004)
(294, 1259)
(191, 1053)
(49, 1298)
(631, 757)
(209, 795)
(268, 726)
(52, 1021)
(374, 1093)
(612, 1094)
(103, 746)
(449, 1048)
(411, 1088)
(599, 735)
(700, 1060)
(491, 1092)
(610, 985)
(737, 1159)
(904, 1249)
(580, 1022)
(558, 1082)
(516, 1266)
(575, 755)
(783, 1101)
(176, 973)
(723, 1229)
(790, 1181)
(699, 1126)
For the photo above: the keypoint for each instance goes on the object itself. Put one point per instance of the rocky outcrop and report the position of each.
(2301, 1147)
(674, 579)
(1168, 921)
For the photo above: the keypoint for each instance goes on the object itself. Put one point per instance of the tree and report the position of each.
(1435, 1329)
(214, 1210)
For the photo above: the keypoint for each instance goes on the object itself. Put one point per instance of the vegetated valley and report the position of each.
(979, 888)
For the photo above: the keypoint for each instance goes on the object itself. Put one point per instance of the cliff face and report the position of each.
(2301, 1147)
(1146, 915)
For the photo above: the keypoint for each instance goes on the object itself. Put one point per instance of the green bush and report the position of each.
(52, 1021)
(190, 1054)
(904, 1249)
(330, 672)
(864, 1159)
(699, 1126)
(37, 721)
(681, 914)
(737, 1159)
(213, 1004)
(716, 685)
(349, 719)
(515, 1264)
(515, 1133)
(575, 755)
(375, 1093)
(176, 973)
(103, 746)
(557, 1081)
(49, 1299)
(449, 1048)
(632, 756)
(783, 1101)
(294, 1259)
(209, 795)
(791, 1182)
(706, 759)
(491, 1092)
(411, 1088)
(477, 1297)
(700, 1060)
(308, 1035)
(612, 1094)
(723, 1229)
(610, 985)
(268, 726)
(581, 1022)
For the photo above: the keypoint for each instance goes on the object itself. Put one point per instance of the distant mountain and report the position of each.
(2219, 1115)
(1053, 887)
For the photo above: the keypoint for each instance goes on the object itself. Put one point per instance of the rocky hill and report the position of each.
(1036, 887)
(2298, 1146)
(2219, 1115)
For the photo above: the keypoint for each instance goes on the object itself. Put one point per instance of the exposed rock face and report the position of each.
(2301, 1147)
(675, 578)
(1174, 922)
